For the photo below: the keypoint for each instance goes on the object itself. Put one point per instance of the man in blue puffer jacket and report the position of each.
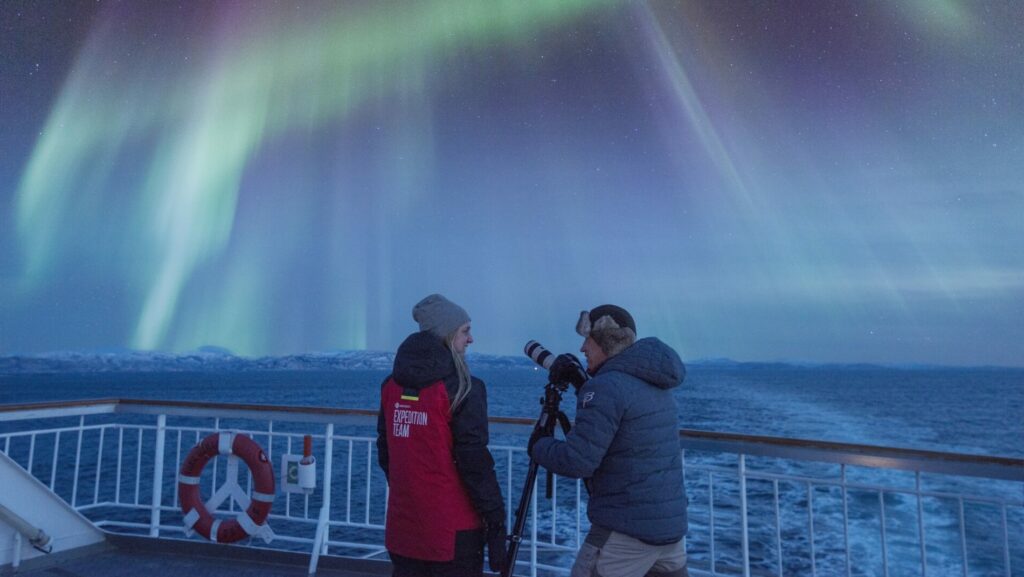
(625, 442)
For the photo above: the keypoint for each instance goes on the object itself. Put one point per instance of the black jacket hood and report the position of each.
(422, 359)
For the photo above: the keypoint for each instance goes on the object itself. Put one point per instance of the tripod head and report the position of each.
(553, 392)
(551, 411)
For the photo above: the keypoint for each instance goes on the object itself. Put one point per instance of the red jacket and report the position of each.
(425, 487)
(440, 473)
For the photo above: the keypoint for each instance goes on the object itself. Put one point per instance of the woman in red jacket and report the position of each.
(444, 501)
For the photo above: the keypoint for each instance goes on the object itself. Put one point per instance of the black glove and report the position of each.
(539, 432)
(566, 368)
(494, 527)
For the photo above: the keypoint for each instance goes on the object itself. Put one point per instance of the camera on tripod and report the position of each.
(564, 369)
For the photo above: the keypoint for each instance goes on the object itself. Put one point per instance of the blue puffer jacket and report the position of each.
(626, 441)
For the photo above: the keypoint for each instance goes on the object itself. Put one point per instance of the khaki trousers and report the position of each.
(607, 553)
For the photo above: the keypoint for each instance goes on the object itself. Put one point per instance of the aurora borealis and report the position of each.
(820, 181)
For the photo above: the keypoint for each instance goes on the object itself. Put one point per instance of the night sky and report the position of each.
(814, 181)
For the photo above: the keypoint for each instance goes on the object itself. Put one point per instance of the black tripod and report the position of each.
(550, 415)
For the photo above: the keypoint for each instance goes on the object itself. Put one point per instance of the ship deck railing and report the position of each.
(758, 505)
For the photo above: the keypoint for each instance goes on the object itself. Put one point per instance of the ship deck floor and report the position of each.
(124, 556)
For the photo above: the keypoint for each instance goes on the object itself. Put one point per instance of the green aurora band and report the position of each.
(204, 121)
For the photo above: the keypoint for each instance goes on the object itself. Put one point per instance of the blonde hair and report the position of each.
(461, 369)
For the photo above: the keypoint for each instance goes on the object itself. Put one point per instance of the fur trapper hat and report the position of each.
(611, 327)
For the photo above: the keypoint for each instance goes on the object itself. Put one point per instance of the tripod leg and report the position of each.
(516, 537)
(563, 420)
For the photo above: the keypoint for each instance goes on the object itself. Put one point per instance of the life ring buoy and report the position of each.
(250, 521)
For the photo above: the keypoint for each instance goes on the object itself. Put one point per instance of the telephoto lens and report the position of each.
(539, 354)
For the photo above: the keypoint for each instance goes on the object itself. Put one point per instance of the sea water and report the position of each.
(978, 411)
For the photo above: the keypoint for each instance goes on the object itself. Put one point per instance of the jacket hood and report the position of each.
(649, 360)
(422, 359)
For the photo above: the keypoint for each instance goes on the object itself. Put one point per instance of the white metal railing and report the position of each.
(758, 505)
(914, 492)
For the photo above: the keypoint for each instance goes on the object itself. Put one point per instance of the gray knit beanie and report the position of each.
(439, 315)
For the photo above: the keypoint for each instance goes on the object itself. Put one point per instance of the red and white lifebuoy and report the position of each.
(250, 521)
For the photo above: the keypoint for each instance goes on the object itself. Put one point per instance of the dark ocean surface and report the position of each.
(978, 411)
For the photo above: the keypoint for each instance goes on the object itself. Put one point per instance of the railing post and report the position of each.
(963, 534)
(846, 519)
(328, 459)
(78, 459)
(16, 553)
(711, 521)
(158, 476)
(745, 538)
(810, 528)
(920, 525)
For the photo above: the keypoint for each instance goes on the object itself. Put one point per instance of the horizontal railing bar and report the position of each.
(871, 456)
(294, 413)
(769, 476)
(354, 524)
(799, 449)
(277, 537)
(103, 504)
(967, 497)
(346, 438)
(546, 567)
(225, 514)
(49, 410)
(252, 432)
(129, 524)
(541, 546)
(247, 411)
(287, 538)
(514, 449)
(832, 482)
(62, 430)
(180, 529)
(373, 554)
(712, 469)
(139, 507)
(375, 549)
(815, 482)
(868, 487)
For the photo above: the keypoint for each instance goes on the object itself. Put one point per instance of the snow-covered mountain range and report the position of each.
(211, 359)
